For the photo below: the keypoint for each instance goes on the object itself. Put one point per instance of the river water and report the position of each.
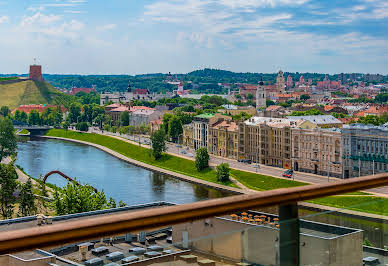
(118, 179)
(135, 185)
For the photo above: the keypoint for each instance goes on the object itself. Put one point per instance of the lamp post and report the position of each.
(373, 167)
(359, 163)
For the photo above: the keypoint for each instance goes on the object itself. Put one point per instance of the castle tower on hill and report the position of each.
(260, 96)
(280, 82)
(36, 73)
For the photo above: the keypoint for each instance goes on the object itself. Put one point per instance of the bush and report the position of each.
(65, 125)
(82, 126)
(223, 172)
(202, 159)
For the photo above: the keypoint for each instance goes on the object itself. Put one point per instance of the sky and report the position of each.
(158, 36)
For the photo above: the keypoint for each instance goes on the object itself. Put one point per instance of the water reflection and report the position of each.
(118, 179)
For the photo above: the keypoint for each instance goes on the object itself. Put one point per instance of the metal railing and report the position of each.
(73, 231)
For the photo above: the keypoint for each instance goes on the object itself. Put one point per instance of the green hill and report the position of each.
(27, 92)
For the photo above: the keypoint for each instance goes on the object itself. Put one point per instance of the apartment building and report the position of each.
(317, 151)
(223, 139)
(267, 140)
(365, 149)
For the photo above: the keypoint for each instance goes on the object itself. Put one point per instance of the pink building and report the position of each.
(289, 82)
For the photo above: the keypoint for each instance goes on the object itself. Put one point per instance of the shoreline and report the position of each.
(235, 191)
(182, 177)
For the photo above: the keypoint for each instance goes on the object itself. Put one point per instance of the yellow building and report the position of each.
(267, 140)
(188, 135)
(223, 139)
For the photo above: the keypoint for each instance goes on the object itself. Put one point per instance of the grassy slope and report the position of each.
(363, 203)
(27, 92)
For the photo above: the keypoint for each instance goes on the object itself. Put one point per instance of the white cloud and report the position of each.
(107, 27)
(4, 19)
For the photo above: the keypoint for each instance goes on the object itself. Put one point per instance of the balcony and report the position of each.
(213, 232)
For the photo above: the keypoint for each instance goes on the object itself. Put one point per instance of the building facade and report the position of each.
(365, 149)
(200, 128)
(266, 140)
(223, 139)
(36, 73)
(261, 96)
(280, 82)
(317, 151)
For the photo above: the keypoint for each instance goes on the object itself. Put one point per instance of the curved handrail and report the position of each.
(86, 229)
(64, 176)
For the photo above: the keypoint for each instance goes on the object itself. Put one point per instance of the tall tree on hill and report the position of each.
(8, 177)
(8, 144)
(27, 204)
(158, 144)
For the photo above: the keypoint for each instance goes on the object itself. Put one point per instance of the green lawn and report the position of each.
(263, 182)
(169, 162)
(370, 204)
(24, 132)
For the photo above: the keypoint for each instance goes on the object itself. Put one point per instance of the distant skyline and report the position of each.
(158, 36)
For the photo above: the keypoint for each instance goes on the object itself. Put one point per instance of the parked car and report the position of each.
(289, 173)
(190, 155)
(183, 152)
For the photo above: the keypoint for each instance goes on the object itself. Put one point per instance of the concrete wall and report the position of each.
(260, 244)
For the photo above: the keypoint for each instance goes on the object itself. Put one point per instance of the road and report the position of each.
(215, 160)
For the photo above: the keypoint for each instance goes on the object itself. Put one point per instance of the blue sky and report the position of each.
(134, 36)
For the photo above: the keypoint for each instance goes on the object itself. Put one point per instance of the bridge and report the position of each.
(34, 130)
(64, 176)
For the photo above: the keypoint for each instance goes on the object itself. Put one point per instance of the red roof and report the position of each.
(120, 109)
(135, 108)
(38, 107)
(141, 91)
(86, 90)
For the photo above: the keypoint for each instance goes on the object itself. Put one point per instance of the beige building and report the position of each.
(230, 109)
(267, 140)
(188, 135)
(223, 139)
(317, 151)
(280, 82)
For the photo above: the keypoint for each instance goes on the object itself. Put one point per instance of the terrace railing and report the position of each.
(285, 199)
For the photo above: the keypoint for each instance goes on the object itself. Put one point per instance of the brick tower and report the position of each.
(36, 73)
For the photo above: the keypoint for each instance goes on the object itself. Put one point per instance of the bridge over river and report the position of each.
(34, 130)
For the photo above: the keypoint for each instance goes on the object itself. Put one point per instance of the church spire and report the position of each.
(129, 89)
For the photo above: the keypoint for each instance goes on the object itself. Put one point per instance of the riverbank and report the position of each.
(153, 168)
(128, 152)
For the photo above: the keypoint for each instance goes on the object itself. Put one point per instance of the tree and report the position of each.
(79, 198)
(174, 128)
(223, 172)
(122, 203)
(8, 177)
(371, 120)
(158, 143)
(124, 118)
(250, 97)
(82, 126)
(23, 117)
(111, 203)
(26, 197)
(8, 144)
(166, 119)
(34, 118)
(4, 111)
(304, 97)
(74, 112)
(202, 159)
(42, 191)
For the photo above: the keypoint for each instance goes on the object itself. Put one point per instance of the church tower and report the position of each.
(129, 89)
(260, 96)
(280, 82)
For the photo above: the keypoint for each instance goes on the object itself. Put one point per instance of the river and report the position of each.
(135, 185)
(118, 179)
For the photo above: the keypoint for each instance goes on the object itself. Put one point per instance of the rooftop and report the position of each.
(317, 119)
(206, 116)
